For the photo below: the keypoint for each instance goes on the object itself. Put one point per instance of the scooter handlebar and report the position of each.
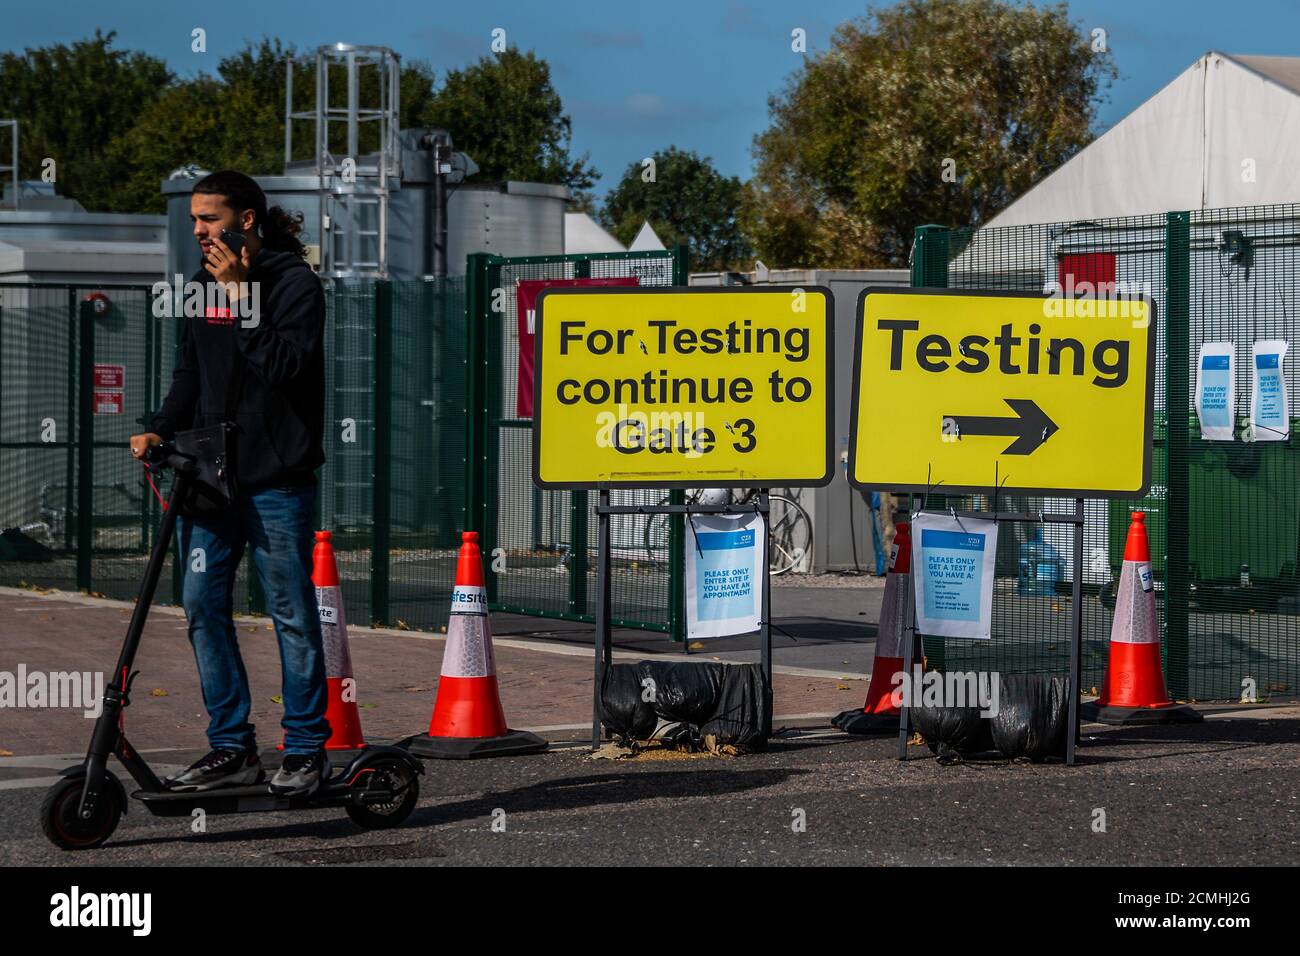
(164, 455)
(157, 454)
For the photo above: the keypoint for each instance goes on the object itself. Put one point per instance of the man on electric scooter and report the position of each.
(270, 369)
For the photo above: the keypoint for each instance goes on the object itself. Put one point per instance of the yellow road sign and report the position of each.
(661, 388)
(954, 391)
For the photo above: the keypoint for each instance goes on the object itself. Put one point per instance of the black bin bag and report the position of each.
(682, 692)
(625, 715)
(729, 702)
(1032, 721)
(952, 733)
(741, 713)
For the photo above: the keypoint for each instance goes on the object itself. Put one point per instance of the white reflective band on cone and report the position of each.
(469, 647)
(334, 632)
(1135, 607)
(468, 599)
(893, 616)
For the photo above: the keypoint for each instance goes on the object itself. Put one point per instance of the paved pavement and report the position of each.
(544, 675)
(1223, 793)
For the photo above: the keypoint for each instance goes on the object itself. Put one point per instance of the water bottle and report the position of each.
(1039, 566)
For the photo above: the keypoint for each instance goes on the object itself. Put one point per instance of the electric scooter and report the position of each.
(379, 787)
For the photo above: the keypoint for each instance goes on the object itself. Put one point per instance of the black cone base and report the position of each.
(860, 722)
(512, 743)
(1139, 716)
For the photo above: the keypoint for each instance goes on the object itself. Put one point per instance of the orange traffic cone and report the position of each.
(1134, 689)
(879, 715)
(341, 710)
(467, 717)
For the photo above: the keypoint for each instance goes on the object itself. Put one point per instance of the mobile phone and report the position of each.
(235, 240)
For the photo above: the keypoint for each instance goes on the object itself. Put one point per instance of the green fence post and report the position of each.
(677, 523)
(930, 257)
(579, 506)
(381, 500)
(150, 382)
(478, 303)
(494, 333)
(491, 330)
(70, 433)
(452, 359)
(85, 443)
(1177, 320)
(578, 558)
(930, 270)
(476, 384)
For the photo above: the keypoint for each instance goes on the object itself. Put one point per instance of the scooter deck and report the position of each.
(257, 797)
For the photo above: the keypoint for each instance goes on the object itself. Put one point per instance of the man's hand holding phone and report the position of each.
(228, 267)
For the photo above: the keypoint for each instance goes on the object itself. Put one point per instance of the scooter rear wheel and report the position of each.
(386, 773)
(65, 828)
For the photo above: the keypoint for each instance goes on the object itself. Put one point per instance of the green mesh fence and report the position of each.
(74, 384)
(542, 542)
(400, 345)
(1240, 539)
(1223, 517)
(415, 450)
(392, 489)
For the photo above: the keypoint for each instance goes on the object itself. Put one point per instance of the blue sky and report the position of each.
(638, 76)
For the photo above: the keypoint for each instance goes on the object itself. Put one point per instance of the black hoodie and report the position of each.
(281, 409)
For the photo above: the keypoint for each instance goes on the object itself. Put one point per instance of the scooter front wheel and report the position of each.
(395, 777)
(64, 826)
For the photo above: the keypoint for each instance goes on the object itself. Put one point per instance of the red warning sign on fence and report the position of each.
(526, 292)
(110, 376)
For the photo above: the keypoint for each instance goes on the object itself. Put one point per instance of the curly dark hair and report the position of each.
(277, 228)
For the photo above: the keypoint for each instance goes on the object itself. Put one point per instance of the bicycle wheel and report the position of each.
(656, 536)
(789, 534)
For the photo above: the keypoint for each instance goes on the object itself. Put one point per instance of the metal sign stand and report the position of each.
(1076, 617)
(604, 633)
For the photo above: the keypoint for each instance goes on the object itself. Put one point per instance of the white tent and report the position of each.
(1222, 133)
(646, 240)
(584, 234)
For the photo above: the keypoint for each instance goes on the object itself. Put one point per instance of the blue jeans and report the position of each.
(277, 525)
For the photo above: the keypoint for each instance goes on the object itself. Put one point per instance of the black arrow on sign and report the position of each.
(1030, 426)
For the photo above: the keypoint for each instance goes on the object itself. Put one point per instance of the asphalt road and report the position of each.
(1222, 793)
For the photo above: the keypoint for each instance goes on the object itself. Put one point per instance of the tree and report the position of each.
(504, 112)
(931, 111)
(117, 123)
(71, 102)
(236, 120)
(183, 126)
(685, 199)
